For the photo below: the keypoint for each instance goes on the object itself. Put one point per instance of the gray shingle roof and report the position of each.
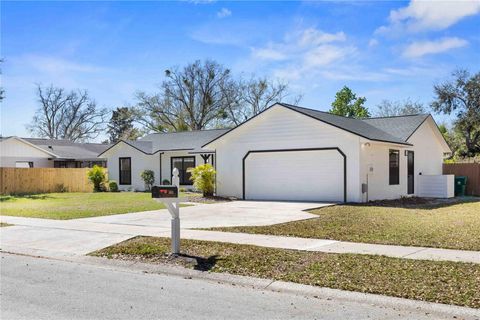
(68, 149)
(171, 141)
(401, 126)
(387, 129)
(185, 140)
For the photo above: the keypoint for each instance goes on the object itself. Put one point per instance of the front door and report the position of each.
(410, 172)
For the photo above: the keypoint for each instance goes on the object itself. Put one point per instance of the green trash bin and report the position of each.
(460, 185)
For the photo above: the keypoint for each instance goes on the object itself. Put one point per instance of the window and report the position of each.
(24, 164)
(125, 170)
(394, 167)
(182, 164)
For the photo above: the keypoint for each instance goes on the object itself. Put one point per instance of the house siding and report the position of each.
(13, 150)
(282, 128)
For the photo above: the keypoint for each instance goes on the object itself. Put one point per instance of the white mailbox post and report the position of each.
(169, 196)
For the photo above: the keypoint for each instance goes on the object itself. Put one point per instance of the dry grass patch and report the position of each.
(435, 281)
(426, 224)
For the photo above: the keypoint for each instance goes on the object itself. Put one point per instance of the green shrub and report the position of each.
(203, 177)
(113, 186)
(165, 182)
(148, 177)
(97, 176)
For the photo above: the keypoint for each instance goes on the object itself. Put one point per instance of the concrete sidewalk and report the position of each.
(81, 236)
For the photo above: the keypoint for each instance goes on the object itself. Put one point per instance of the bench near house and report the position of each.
(293, 153)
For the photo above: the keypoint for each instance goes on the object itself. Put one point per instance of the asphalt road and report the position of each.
(37, 288)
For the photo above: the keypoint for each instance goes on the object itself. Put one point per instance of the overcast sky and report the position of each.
(382, 50)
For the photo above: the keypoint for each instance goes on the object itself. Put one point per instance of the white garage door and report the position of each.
(294, 175)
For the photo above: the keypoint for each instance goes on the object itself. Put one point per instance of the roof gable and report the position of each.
(359, 127)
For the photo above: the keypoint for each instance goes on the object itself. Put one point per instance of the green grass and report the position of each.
(435, 281)
(2, 224)
(76, 205)
(454, 226)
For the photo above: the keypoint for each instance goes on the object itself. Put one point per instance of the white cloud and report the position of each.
(373, 43)
(421, 15)
(421, 48)
(302, 52)
(223, 13)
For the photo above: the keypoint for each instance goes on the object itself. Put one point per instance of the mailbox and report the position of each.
(160, 192)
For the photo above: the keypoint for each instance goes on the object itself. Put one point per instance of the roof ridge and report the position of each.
(399, 116)
(189, 131)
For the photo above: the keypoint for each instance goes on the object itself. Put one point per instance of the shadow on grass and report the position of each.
(25, 196)
(418, 203)
(201, 263)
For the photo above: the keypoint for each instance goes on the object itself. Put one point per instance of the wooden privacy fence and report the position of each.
(44, 180)
(469, 170)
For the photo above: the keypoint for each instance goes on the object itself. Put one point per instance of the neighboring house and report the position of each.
(159, 152)
(293, 153)
(49, 153)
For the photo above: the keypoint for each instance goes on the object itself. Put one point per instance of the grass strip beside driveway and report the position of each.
(76, 205)
(451, 226)
(434, 281)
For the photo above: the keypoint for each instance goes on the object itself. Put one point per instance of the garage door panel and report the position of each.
(294, 175)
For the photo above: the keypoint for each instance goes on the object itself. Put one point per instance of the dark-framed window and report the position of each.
(394, 167)
(125, 170)
(182, 164)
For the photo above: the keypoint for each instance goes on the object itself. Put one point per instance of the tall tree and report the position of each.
(121, 125)
(254, 96)
(461, 96)
(190, 98)
(347, 104)
(388, 108)
(67, 115)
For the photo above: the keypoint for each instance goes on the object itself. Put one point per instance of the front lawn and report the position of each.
(76, 205)
(435, 281)
(455, 226)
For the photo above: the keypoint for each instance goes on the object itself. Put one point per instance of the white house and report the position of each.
(159, 152)
(293, 153)
(48, 153)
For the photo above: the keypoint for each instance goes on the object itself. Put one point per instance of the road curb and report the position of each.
(437, 310)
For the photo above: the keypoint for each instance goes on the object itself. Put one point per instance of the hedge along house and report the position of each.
(293, 153)
(159, 152)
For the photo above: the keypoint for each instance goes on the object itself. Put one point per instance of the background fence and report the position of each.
(469, 170)
(44, 180)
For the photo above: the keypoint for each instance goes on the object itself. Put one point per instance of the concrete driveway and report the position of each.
(224, 214)
(47, 237)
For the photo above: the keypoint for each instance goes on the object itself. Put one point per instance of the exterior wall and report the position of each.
(428, 149)
(281, 128)
(428, 159)
(376, 156)
(140, 162)
(13, 150)
(166, 164)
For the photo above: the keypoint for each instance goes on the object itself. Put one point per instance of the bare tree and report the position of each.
(191, 98)
(256, 95)
(67, 115)
(388, 108)
(205, 95)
